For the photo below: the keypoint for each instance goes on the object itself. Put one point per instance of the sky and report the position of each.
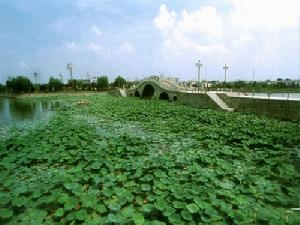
(139, 38)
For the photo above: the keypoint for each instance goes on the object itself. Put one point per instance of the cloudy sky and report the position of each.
(138, 38)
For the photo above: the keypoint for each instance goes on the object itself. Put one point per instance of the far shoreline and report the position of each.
(49, 94)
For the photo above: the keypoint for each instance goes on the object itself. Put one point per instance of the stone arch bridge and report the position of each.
(160, 88)
(164, 89)
(155, 88)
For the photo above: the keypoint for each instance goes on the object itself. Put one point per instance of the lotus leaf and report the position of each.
(138, 218)
(126, 161)
(6, 213)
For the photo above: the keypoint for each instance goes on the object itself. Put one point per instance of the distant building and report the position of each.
(206, 84)
(93, 79)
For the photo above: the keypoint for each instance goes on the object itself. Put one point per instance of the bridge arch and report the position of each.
(175, 98)
(137, 94)
(148, 91)
(164, 96)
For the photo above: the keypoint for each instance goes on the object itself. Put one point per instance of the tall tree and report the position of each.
(55, 84)
(102, 83)
(2, 88)
(119, 82)
(73, 84)
(19, 84)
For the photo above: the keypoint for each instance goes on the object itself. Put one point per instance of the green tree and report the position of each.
(43, 87)
(93, 86)
(36, 87)
(19, 84)
(119, 82)
(2, 88)
(102, 83)
(55, 84)
(73, 84)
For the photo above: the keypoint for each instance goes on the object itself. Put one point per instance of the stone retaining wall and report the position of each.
(283, 109)
(201, 100)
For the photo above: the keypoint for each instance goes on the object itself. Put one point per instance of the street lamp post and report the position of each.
(61, 78)
(70, 68)
(35, 74)
(225, 67)
(198, 65)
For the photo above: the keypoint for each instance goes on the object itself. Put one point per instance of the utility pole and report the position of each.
(253, 72)
(70, 68)
(198, 65)
(225, 67)
(61, 78)
(35, 74)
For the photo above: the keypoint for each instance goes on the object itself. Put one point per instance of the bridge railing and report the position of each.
(165, 84)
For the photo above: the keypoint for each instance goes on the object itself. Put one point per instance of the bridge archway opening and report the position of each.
(148, 91)
(164, 96)
(137, 94)
(175, 98)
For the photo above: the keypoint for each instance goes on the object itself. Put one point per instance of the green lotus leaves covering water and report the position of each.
(128, 161)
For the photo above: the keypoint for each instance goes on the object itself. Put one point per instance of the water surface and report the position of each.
(15, 110)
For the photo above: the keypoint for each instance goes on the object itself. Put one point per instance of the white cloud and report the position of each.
(127, 47)
(199, 31)
(96, 31)
(263, 29)
(165, 19)
(247, 32)
(204, 21)
(266, 14)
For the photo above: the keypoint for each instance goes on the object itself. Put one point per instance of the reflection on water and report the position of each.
(13, 110)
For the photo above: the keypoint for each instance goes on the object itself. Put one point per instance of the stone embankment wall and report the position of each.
(115, 93)
(201, 100)
(283, 109)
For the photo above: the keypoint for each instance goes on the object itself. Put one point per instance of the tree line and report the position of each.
(22, 84)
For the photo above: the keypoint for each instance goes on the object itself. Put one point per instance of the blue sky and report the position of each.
(139, 38)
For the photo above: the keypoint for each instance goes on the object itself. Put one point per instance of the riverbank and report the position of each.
(49, 94)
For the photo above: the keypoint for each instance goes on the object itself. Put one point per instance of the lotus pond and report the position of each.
(129, 161)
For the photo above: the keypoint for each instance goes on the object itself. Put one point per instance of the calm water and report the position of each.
(13, 110)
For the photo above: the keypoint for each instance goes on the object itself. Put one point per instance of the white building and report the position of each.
(93, 79)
